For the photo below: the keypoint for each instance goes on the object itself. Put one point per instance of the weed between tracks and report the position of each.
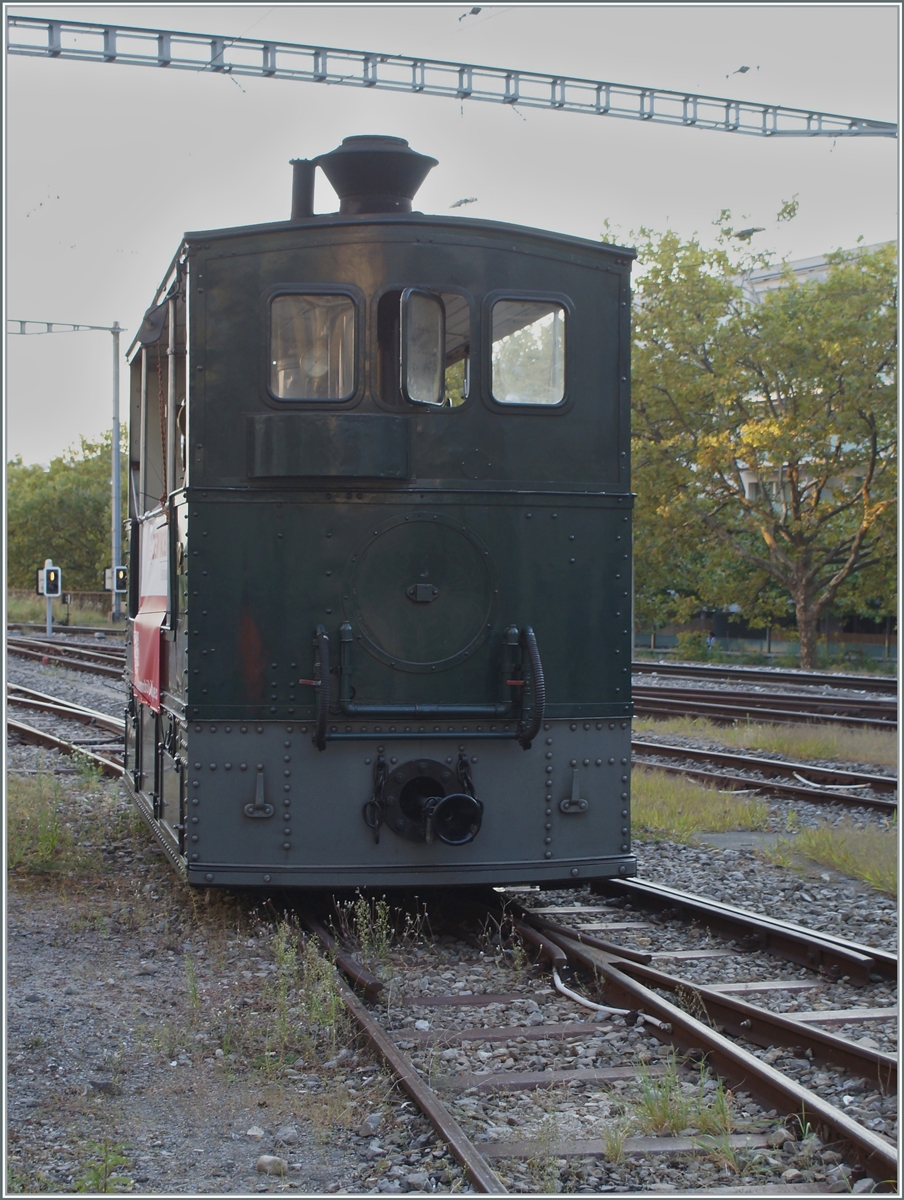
(670, 1105)
(869, 853)
(803, 742)
(670, 807)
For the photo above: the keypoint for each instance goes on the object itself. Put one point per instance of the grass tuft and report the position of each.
(804, 742)
(869, 853)
(667, 1104)
(670, 807)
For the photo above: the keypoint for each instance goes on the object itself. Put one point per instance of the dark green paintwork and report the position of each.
(428, 533)
(316, 445)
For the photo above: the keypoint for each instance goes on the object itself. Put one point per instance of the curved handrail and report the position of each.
(538, 688)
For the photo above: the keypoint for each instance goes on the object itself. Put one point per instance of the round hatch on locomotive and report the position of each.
(422, 592)
(422, 805)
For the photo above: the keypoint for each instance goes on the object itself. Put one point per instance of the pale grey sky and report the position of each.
(107, 165)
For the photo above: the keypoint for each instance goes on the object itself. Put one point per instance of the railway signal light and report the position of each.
(116, 579)
(53, 581)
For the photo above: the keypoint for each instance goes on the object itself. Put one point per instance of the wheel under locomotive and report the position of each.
(380, 604)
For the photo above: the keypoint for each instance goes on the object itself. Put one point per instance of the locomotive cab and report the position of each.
(381, 545)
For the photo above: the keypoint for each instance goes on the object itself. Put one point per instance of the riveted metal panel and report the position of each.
(262, 799)
(320, 445)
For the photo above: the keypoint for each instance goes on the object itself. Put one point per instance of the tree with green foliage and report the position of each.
(764, 432)
(63, 512)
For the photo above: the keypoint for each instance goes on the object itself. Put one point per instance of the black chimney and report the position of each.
(375, 174)
(302, 188)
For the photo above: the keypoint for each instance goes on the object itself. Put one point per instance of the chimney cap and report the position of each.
(375, 173)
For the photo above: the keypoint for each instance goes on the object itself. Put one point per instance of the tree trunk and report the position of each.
(808, 631)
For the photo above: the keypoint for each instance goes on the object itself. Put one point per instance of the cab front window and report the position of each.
(528, 365)
(312, 347)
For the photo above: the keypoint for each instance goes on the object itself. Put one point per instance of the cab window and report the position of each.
(423, 348)
(528, 365)
(312, 347)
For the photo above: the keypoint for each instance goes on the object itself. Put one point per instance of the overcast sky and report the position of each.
(108, 165)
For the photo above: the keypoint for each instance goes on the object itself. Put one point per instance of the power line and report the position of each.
(201, 52)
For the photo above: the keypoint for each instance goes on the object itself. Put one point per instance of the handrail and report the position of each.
(322, 643)
(524, 733)
(538, 688)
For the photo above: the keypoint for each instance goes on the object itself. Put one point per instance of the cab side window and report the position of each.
(528, 364)
(423, 348)
(312, 347)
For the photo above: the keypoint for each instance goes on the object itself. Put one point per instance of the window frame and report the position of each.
(438, 290)
(404, 320)
(350, 292)
(490, 300)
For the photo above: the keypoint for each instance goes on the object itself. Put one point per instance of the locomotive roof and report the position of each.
(336, 220)
(327, 220)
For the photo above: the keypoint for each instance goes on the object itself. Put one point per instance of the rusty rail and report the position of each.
(806, 947)
(737, 1065)
(475, 1166)
(38, 737)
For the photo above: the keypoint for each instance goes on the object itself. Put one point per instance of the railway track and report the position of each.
(62, 715)
(445, 1046)
(501, 1044)
(743, 772)
(727, 707)
(76, 656)
(770, 676)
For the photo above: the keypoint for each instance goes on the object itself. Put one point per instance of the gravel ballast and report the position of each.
(114, 980)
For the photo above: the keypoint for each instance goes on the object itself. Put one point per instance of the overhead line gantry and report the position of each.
(211, 53)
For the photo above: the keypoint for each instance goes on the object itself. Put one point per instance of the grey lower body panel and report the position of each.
(564, 873)
(258, 805)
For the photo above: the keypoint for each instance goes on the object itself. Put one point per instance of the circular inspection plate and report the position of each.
(421, 592)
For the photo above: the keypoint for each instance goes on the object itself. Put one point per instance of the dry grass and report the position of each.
(670, 807)
(33, 611)
(868, 853)
(793, 741)
(59, 826)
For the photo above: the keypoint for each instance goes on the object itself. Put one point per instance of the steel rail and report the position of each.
(756, 1024)
(39, 737)
(837, 679)
(475, 1166)
(766, 1028)
(743, 1069)
(67, 648)
(738, 783)
(769, 766)
(840, 705)
(19, 690)
(74, 664)
(271, 59)
(85, 716)
(113, 652)
(727, 714)
(108, 630)
(807, 947)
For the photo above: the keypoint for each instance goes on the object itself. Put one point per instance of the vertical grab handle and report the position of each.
(322, 671)
(538, 688)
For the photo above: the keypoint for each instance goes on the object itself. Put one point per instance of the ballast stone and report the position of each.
(271, 1164)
